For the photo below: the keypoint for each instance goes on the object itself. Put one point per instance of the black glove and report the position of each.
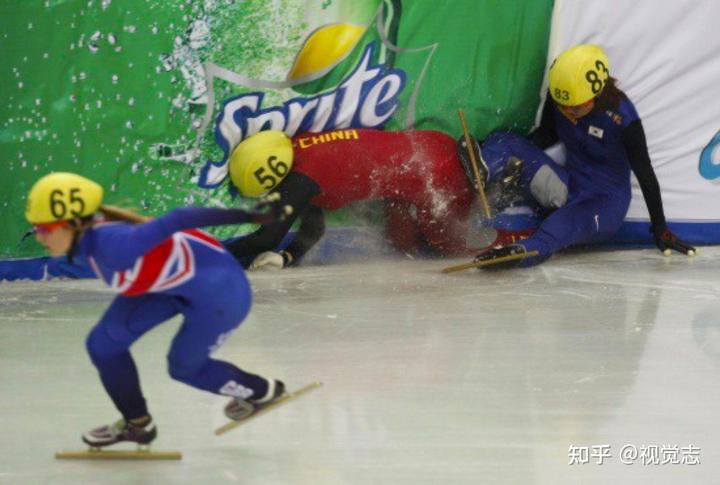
(667, 241)
(270, 209)
(500, 252)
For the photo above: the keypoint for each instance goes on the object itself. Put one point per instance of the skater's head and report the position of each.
(580, 81)
(260, 162)
(62, 205)
(58, 205)
(56, 237)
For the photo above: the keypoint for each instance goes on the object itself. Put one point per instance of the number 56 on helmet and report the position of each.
(259, 163)
(62, 196)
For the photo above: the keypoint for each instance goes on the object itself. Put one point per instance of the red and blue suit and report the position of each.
(163, 268)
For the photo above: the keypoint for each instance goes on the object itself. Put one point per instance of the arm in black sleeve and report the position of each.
(545, 136)
(312, 228)
(633, 138)
(296, 190)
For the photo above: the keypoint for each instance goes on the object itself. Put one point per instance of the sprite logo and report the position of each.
(365, 98)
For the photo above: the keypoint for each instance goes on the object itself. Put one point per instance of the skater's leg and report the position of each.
(122, 324)
(189, 362)
(540, 177)
(590, 220)
(206, 327)
(444, 229)
(401, 229)
(108, 344)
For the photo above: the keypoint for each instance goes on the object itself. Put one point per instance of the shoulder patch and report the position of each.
(615, 117)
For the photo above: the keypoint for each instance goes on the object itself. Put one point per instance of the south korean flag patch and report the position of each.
(595, 131)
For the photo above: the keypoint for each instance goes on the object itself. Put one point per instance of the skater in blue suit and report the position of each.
(587, 198)
(160, 268)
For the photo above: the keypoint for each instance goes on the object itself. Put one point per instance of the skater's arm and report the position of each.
(120, 245)
(296, 190)
(312, 228)
(633, 138)
(545, 136)
(188, 218)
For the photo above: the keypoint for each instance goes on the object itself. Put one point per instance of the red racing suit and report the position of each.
(418, 174)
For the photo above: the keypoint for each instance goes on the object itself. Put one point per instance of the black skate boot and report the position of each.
(238, 409)
(510, 177)
(498, 254)
(121, 431)
(505, 191)
(507, 237)
(482, 168)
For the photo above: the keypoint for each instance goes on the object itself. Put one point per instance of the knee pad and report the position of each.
(548, 188)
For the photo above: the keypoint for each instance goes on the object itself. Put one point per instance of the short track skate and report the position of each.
(284, 399)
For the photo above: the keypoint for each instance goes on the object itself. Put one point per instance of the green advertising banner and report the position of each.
(150, 97)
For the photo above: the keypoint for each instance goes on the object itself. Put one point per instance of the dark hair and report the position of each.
(610, 97)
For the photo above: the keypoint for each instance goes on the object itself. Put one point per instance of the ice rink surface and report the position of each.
(470, 378)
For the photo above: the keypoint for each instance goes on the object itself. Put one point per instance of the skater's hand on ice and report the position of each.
(270, 209)
(270, 260)
(667, 242)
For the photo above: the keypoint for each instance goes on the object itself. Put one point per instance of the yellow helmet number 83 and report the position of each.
(578, 75)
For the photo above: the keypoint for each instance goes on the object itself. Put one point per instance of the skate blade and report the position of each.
(100, 454)
(278, 402)
(490, 262)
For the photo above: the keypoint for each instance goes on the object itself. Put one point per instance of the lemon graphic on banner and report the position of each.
(323, 50)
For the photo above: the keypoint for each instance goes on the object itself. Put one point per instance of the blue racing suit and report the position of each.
(589, 196)
(160, 269)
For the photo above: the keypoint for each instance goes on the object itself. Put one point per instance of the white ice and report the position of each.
(469, 378)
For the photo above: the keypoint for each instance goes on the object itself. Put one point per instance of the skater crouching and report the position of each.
(160, 268)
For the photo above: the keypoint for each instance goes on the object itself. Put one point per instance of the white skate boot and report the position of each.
(120, 431)
(238, 409)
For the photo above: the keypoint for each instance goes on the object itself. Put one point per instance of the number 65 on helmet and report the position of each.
(259, 163)
(62, 196)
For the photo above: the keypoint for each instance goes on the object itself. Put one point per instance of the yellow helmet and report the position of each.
(259, 163)
(579, 74)
(62, 196)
